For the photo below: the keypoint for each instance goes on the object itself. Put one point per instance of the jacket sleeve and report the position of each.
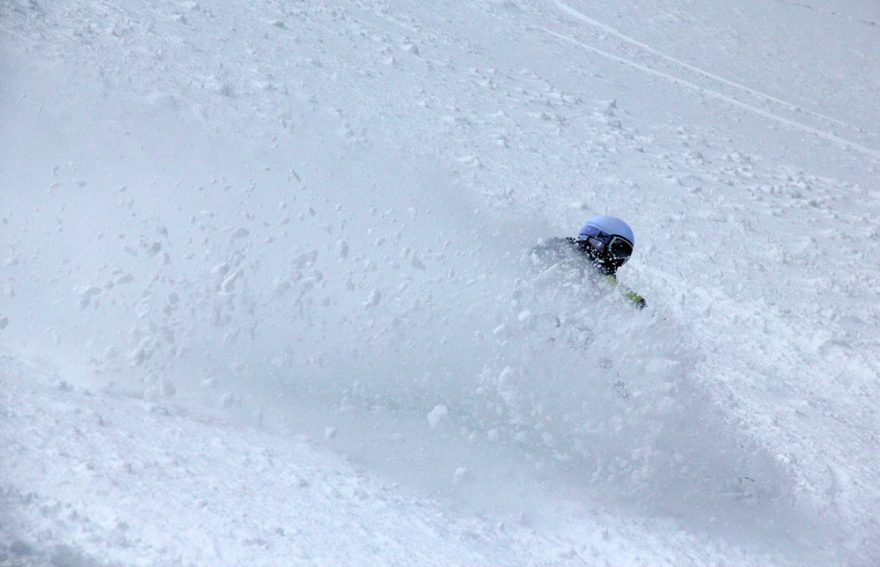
(551, 251)
(636, 299)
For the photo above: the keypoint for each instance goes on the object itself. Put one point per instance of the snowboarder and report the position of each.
(603, 245)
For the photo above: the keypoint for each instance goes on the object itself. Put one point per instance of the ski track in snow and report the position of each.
(819, 133)
(580, 16)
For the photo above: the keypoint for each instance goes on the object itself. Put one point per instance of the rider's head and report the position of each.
(608, 241)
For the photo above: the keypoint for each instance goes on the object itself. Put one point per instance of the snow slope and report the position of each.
(238, 223)
(124, 482)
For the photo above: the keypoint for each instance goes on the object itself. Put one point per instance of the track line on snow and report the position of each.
(822, 134)
(574, 13)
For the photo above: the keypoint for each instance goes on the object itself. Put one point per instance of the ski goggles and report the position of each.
(615, 246)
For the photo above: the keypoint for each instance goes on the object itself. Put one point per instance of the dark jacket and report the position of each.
(575, 259)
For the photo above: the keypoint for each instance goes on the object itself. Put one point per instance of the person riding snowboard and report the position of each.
(603, 245)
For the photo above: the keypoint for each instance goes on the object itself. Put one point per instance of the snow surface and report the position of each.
(267, 298)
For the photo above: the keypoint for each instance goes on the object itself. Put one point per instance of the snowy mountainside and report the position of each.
(113, 492)
(316, 218)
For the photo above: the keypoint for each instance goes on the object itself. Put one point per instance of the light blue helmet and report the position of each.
(609, 225)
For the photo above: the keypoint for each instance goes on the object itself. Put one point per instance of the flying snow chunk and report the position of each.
(437, 416)
(505, 375)
(4, 321)
(220, 269)
(298, 481)
(85, 297)
(153, 249)
(166, 388)
(229, 283)
(374, 299)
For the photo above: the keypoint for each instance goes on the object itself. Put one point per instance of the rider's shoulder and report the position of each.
(554, 249)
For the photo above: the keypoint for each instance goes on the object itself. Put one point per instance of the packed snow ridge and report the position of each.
(267, 295)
